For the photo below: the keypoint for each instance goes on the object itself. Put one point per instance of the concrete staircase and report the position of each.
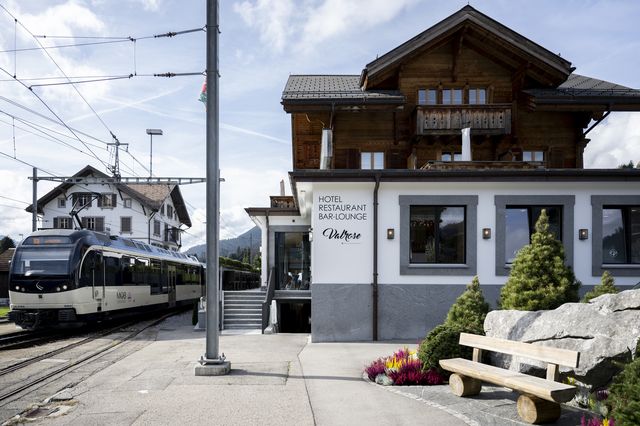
(243, 310)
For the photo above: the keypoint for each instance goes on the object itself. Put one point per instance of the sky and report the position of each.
(262, 42)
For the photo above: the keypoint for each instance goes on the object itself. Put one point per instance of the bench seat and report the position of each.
(542, 388)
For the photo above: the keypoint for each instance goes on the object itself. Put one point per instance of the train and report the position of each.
(66, 278)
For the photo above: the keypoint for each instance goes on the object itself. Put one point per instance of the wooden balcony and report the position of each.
(492, 119)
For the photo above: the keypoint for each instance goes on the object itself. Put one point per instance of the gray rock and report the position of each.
(604, 331)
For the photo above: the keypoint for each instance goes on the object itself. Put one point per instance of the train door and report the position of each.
(97, 275)
(171, 282)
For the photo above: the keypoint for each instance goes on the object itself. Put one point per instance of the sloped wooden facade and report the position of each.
(466, 71)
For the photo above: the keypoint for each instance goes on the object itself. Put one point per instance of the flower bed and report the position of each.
(403, 368)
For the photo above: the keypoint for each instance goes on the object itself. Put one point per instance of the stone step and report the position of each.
(243, 299)
(242, 316)
(242, 327)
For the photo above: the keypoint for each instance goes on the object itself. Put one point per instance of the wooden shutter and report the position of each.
(114, 200)
(84, 223)
(100, 224)
(74, 198)
(100, 200)
(56, 223)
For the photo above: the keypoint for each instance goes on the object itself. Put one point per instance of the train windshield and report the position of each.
(41, 261)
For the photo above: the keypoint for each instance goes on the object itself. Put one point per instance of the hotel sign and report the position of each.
(341, 214)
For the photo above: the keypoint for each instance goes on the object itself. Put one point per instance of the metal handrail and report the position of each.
(268, 297)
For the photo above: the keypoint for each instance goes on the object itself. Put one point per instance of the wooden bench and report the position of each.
(540, 398)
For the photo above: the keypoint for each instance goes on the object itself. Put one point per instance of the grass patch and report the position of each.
(4, 311)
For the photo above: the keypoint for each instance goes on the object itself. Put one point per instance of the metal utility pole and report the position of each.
(212, 363)
(34, 213)
(115, 169)
(152, 132)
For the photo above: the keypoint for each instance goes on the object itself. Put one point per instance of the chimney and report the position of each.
(282, 188)
(466, 144)
(326, 149)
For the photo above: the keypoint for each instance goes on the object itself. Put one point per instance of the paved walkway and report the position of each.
(275, 380)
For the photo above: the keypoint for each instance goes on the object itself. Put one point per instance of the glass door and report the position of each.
(292, 260)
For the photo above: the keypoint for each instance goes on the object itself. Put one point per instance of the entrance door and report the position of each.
(96, 264)
(292, 261)
(171, 283)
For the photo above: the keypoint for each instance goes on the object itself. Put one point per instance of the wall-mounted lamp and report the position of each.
(486, 233)
(583, 234)
(391, 233)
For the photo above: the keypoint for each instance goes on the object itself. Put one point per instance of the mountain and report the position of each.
(226, 247)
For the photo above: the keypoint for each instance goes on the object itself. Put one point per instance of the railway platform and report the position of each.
(276, 379)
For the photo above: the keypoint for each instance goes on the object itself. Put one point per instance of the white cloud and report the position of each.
(150, 5)
(305, 25)
(614, 142)
(272, 18)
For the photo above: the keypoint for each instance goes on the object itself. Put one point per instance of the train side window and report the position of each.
(139, 271)
(112, 275)
(92, 270)
(155, 277)
(127, 270)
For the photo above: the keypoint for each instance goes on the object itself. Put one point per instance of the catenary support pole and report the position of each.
(212, 364)
(34, 213)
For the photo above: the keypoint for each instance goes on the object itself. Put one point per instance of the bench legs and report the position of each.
(535, 410)
(464, 385)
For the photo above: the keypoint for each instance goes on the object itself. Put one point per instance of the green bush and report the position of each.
(539, 278)
(441, 343)
(624, 395)
(606, 286)
(469, 310)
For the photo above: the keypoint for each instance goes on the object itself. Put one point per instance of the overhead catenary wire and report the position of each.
(29, 164)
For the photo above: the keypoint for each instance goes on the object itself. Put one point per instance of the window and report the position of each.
(156, 227)
(62, 203)
(126, 203)
(451, 156)
(125, 224)
(520, 225)
(162, 209)
(292, 260)
(107, 201)
(533, 156)
(427, 97)
(93, 223)
(621, 235)
(81, 199)
(516, 216)
(438, 234)
(170, 211)
(62, 222)
(371, 160)
(477, 96)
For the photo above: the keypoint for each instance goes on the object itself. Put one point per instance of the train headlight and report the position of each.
(17, 287)
(64, 287)
(22, 289)
(57, 288)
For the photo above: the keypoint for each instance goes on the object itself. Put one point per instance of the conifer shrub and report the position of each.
(442, 343)
(606, 286)
(539, 278)
(624, 395)
(469, 310)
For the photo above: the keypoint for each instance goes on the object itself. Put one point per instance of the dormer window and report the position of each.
(453, 96)
(477, 96)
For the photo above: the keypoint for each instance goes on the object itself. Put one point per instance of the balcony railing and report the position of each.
(491, 119)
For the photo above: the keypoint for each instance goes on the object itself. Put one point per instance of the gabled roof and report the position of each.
(490, 29)
(581, 92)
(336, 90)
(150, 196)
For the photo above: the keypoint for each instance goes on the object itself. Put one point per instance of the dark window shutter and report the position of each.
(90, 199)
(100, 200)
(74, 199)
(84, 223)
(56, 223)
(114, 200)
(100, 224)
(353, 159)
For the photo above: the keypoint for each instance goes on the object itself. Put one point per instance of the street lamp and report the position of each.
(152, 132)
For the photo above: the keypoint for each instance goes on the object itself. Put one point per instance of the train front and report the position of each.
(42, 280)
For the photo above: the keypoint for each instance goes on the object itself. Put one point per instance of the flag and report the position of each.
(203, 92)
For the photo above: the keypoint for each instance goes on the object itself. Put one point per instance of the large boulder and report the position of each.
(605, 331)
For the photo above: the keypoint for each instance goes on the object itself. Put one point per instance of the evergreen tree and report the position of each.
(539, 278)
(606, 286)
(6, 243)
(469, 310)
(624, 395)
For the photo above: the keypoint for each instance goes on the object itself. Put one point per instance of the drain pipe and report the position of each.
(266, 254)
(374, 314)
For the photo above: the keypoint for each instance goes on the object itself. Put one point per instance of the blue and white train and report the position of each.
(61, 278)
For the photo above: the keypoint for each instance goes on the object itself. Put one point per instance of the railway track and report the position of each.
(23, 338)
(33, 381)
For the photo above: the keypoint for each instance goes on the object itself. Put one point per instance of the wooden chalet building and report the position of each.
(401, 211)
(154, 214)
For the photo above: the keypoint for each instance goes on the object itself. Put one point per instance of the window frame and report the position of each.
(372, 160)
(122, 230)
(501, 202)
(470, 202)
(531, 229)
(62, 203)
(598, 202)
(127, 203)
(438, 210)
